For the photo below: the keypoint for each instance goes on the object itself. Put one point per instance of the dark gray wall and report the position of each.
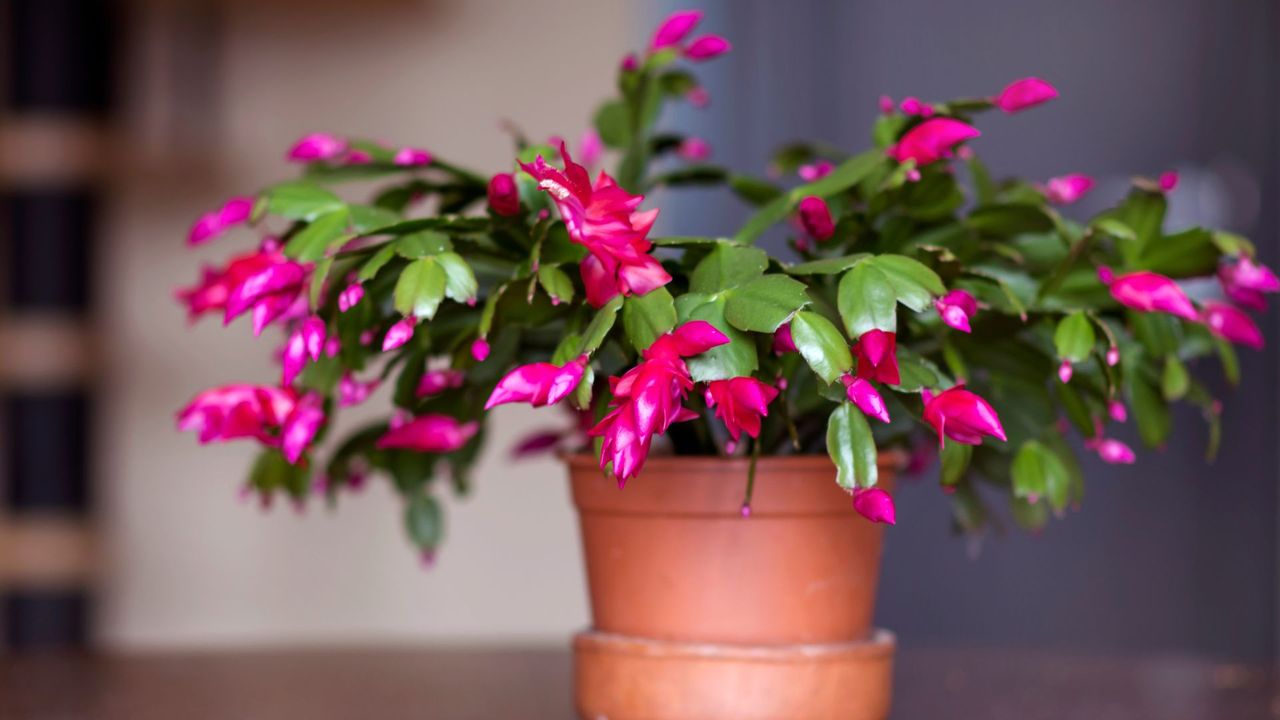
(1171, 554)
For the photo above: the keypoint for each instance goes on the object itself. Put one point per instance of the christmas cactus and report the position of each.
(918, 303)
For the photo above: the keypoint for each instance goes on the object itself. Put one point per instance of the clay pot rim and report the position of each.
(892, 460)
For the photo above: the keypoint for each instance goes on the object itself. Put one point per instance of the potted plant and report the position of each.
(756, 406)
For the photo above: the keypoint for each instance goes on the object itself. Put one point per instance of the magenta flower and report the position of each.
(962, 416)
(1112, 451)
(1067, 189)
(603, 219)
(1117, 411)
(301, 426)
(316, 147)
(673, 30)
(590, 147)
(538, 384)
(707, 47)
(740, 402)
(305, 343)
(352, 392)
(1232, 324)
(357, 157)
(1025, 93)
(694, 149)
(956, 308)
(1168, 181)
(212, 224)
(782, 340)
(399, 334)
(815, 171)
(886, 105)
(350, 296)
(648, 398)
(877, 354)
(698, 97)
(1065, 371)
(431, 433)
(411, 157)
(480, 349)
(932, 140)
(875, 505)
(238, 411)
(215, 285)
(504, 196)
(816, 218)
(264, 281)
(434, 382)
(1246, 281)
(863, 394)
(1113, 356)
(1152, 292)
(913, 106)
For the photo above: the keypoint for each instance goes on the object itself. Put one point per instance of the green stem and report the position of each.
(751, 478)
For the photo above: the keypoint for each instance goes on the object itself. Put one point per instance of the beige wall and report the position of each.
(189, 564)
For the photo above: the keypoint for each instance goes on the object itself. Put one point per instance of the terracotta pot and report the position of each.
(699, 612)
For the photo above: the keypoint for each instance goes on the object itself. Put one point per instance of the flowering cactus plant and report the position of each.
(907, 308)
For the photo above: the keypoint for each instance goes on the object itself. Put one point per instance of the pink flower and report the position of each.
(238, 411)
(1112, 451)
(305, 343)
(215, 285)
(301, 426)
(647, 398)
(956, 308)
(1232, 324)
(538, 384)
(399, 334)
(603, 219)
(357, 157)
(1117, 411)
(877, 354)
(865, 396)
(962, 416)
(913, 106)
(694, 149)
(875, 505)
(480, 349)
(1065, 371)
(315, 147)
(782, 340)
(630, 63)
(1168, 181)
(816, 218)
(212, 224)
(1024, 93)
(1067, 189)
(932, 140)
(434, 382)
(1113, 356)
(352, 392)
(350, 296)
(740, 402)
(265, 281)
(1152, 292)
(411, 157)
(590, 147)
(429, 433)
(673, 30)
(886, 105)
(504, 196)
(1246, 281)
(707, 47)
(816, 171)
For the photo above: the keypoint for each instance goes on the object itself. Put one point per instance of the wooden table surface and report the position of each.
(507, 684)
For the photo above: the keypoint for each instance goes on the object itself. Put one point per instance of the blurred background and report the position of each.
(121, 121)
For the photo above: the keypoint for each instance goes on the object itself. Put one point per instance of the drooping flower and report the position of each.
(816, 170)
(956, 308)
(864, 395)
(350, 296)
(877, 354)
(1113, 356)
(962, 416)
(1065, 371)
(932, 140)
(1246, 282)
(504, 196)
(238, 411)
(215, 285)
(740, 402)
(1112, 451)
(1168, 181)
(480, 349)
(538, 384)
(434, 382)
(1117, 411)
(694, 149)
(782, 340)
(875, 505)
(215, 222)
(1066, 189)
(1025, 93)
(264, 281)
(1152, 292)
(399, 334)
(1232, 324)
(816, 218)
(674, 29)
(305, 343)
(411, 157)
(352, 392)
(603, 219)
(301, 426)
(316, 147)
(648, 398)
(432, 433)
